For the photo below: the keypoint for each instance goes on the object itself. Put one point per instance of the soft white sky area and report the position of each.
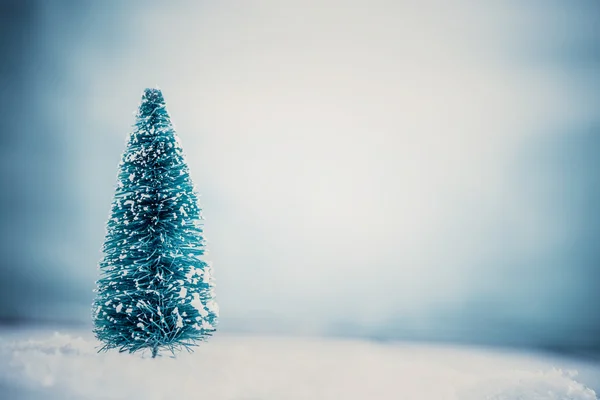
(359, 162)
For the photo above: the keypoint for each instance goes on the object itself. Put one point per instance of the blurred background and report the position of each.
(380, 169)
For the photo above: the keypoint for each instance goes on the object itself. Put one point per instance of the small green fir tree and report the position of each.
(155, 291)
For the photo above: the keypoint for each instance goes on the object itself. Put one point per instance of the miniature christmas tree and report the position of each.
(155, 291)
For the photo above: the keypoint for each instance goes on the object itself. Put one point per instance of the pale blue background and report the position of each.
(380, 168)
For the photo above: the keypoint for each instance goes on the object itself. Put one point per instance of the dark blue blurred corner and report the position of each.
(560, 174)
(34, 210)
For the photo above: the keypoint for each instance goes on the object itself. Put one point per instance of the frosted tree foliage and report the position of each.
(155, 291)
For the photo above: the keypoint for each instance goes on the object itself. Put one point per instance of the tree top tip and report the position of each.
(153, 95)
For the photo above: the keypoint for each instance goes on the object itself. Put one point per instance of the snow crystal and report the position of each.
(197, 304)
(119, 307)
(129, 310)
(179, 323)
(183, 293)
(131, 177)
(206, 278)
(205, 325)
(213, 307)
(140, 325)
(193, 271)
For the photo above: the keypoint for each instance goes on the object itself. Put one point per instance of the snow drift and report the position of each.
(65, 366)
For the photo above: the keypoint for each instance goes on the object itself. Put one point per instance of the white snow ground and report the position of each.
(47, 365)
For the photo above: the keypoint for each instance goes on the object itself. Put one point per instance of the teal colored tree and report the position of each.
(155, 291)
